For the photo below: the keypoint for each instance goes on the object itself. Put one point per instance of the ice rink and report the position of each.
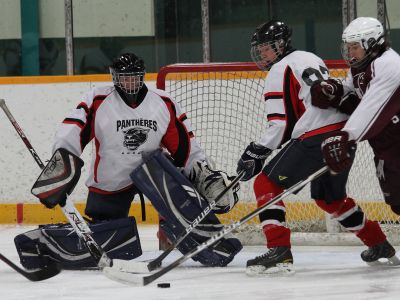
(321, 273)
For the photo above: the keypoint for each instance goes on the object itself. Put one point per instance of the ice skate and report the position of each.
(277, 260)
(383, 250)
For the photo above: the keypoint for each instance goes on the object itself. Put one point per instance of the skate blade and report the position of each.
(393, 261)
(282, 269)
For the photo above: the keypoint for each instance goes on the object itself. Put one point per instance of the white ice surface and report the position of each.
(321, 273)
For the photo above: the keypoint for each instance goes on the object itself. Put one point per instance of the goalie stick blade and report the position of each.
(34, 275)
(135, 266)
(123, 277)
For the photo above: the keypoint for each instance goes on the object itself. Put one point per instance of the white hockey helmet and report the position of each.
(368, 33)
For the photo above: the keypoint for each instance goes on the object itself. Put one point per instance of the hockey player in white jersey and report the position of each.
(371, 94)
(293, 119)
(126, 120)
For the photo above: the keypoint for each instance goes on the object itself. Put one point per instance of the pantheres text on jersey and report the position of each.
(121, 124)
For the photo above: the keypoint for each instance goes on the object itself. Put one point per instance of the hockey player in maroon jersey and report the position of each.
(292, 119)
(128, 120)
(371, 94)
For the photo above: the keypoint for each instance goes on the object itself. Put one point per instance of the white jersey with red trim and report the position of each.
(288, 100)
(122, 133)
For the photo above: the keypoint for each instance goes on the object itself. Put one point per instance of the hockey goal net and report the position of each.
(225, 105)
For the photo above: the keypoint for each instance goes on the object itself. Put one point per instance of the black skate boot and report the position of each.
(383, 250)
(276, 260)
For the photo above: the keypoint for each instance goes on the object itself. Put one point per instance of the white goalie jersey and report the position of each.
(122, 133)
(290, 113)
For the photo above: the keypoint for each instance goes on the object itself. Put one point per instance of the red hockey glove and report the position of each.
(326, 93)
(338, 151)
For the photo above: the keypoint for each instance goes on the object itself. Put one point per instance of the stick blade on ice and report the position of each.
(123, 277)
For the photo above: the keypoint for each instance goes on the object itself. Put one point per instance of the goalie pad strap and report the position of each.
(179, 204)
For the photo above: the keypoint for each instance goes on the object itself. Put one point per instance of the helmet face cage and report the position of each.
(368, 33)
(257, 56)
(130, 83)
(128, 73)
(273, 35)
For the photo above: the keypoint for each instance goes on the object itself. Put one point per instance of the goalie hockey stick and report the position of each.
(71, 213)
(148, 266)
(34, 275)
(139, 280)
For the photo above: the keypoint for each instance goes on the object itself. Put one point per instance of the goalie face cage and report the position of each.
(225, 105)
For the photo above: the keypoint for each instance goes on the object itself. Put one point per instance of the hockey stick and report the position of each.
(148, 266)
(69, 210)
(145, 280)
(34, 275)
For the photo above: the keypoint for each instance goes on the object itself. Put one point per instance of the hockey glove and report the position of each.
(326, 93)
(252, 160)
(210, 183)
(349, 103)
(58, 178)
(338, 151)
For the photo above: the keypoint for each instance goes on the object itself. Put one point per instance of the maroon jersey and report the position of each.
(377, 117)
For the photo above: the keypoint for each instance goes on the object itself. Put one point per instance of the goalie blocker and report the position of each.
(179, 204)
(58, 178)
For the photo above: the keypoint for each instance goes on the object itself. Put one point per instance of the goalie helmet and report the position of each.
(128, 73)
(269, 43)
(364, 32)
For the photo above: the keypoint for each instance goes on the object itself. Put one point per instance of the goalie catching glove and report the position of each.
(252, 160)
(210, 183)
(58, 178)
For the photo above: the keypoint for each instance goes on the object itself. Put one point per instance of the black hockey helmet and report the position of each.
(128, 73)
(274, 34)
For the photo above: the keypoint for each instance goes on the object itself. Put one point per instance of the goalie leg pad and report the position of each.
(220, 254)
(58, 242)
(179, 204)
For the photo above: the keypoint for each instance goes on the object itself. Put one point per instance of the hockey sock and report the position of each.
(350, 216)
(272, 219)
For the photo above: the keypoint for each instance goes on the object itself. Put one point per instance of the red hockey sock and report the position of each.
(348, 213)
(277, 235)
(274, 230)
(372, 234)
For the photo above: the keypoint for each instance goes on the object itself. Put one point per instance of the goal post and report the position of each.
(225, 105)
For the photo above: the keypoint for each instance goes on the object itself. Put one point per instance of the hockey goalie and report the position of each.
(126, 120)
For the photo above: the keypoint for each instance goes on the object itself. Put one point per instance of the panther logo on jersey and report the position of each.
(134, 137)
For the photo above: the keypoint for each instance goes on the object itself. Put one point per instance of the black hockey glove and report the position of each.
(58, 178)
(327, 93)
(338, 151)
(252, 160)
